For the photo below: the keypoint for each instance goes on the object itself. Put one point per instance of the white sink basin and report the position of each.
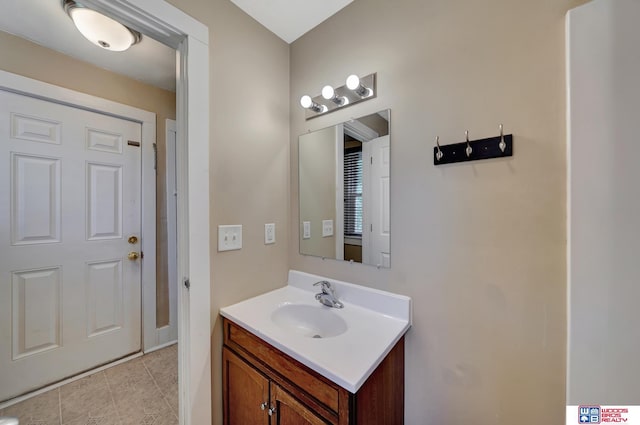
(309, 321)
(354, 339)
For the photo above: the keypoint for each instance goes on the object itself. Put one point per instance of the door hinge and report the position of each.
(371, 158)
(155, 156)
(141, 255)
(187, 283)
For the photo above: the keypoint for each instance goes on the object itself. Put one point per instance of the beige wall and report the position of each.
(480, 247)
(22, 57)
(249, 156)
(317, 154)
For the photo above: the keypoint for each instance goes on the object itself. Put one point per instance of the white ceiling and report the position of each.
(44, 22)
(290, 19)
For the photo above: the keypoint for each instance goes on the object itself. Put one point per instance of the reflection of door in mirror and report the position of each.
(377, 246)
(366, 168)
(344, 181)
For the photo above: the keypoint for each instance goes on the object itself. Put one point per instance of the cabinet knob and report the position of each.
(263, 406)
(272, 410)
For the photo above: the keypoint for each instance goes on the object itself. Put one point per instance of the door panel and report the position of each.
(35, 199)
(104, 201)
(104, 297)
(35, 129)
(36, 311)
(104, 141)
(70, 196)
(245, 390)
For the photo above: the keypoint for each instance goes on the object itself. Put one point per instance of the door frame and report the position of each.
(167, 334)
(169, 25)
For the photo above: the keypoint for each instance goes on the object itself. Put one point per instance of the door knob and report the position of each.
(133, 256)
(132, 240)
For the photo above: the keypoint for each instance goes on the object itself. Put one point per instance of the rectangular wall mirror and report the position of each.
(344, 184)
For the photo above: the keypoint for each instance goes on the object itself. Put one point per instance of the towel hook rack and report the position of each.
(492, 147)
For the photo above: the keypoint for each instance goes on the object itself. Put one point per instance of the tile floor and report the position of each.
(143, 391)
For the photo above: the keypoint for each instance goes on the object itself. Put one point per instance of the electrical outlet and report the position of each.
(229, 237)
(269, 233)
(306, 230)
(327, 228)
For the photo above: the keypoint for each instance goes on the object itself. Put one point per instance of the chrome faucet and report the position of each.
(328, 295)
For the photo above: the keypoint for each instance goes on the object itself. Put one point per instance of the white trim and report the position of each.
(366, 201)
(359, 131)
(37, 89)
(568, 175)
(148, 239)
(43, 390)
(161, 346)
(196, 246)
(170, 332)
(170, 25)
(339, 224)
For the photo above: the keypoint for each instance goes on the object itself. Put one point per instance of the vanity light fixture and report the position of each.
(308, 103)
(354, 84)
(330, 94)
(100, 29)
(357, 89)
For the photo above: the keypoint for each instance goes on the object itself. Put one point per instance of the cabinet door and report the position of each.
(245, 392)
(289, 411)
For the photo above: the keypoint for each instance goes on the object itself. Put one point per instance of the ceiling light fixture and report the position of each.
(308, 103)
(100, 29)
(330, 94)
(354, 84)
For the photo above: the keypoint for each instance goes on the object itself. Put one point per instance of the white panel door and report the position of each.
(376, 245)
(70, 298)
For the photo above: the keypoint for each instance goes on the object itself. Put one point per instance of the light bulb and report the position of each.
(353, 82)
(328, 92)
(306, 101)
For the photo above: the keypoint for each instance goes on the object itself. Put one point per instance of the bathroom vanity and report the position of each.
(289, 360)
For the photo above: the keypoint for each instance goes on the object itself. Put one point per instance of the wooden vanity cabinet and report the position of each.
(264, 386)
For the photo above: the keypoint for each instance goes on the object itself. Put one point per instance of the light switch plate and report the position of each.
(327, 228)
(306, 232)
(269, 233)
(229, 237)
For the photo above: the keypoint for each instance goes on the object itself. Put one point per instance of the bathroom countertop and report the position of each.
(376, 320)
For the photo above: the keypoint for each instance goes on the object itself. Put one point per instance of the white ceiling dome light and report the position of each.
(100, 29)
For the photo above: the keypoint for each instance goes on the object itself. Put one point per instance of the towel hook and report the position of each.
(469, 149)
(502, 145)
(439, 154)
